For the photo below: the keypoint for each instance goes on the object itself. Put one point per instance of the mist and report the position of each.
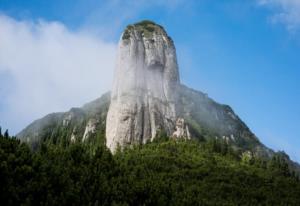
(44, 68)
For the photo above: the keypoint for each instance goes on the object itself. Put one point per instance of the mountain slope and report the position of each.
(205, 117)
(71, 126)
(208, 119)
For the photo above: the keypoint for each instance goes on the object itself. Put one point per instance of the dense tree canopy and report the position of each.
(164, 172)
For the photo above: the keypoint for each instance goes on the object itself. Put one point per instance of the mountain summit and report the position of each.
(147, 101)
(145, 86)
(147, 97)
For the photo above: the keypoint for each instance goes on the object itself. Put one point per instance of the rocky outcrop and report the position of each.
(182, 130)
(144, 89)
(73, 137)
(89, 129)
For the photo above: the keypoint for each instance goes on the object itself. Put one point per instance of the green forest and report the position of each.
(163, 172)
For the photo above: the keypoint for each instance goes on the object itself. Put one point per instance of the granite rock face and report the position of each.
(182, 130)
(89, 129)
(144, 93)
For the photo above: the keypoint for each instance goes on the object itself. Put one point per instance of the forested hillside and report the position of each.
(164, 172)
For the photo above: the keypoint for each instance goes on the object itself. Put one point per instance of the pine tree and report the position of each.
(6, 135)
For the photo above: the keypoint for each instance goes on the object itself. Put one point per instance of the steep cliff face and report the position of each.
(144, 90)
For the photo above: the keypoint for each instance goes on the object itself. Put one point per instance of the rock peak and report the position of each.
(144, 89)
(146, 29)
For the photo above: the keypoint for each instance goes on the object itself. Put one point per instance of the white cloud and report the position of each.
(286, 12)
(44, 67)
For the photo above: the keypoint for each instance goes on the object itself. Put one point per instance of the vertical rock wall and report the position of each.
(144, 89)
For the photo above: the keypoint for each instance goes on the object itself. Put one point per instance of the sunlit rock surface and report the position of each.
(89, 129)
(145, 86)
(182, 130)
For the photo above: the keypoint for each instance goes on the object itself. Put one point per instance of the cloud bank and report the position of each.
(44, 67)
(286, 12)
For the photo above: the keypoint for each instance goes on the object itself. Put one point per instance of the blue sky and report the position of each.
(58, 54)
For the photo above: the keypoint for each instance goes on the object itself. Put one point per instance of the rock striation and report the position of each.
(143, 96)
